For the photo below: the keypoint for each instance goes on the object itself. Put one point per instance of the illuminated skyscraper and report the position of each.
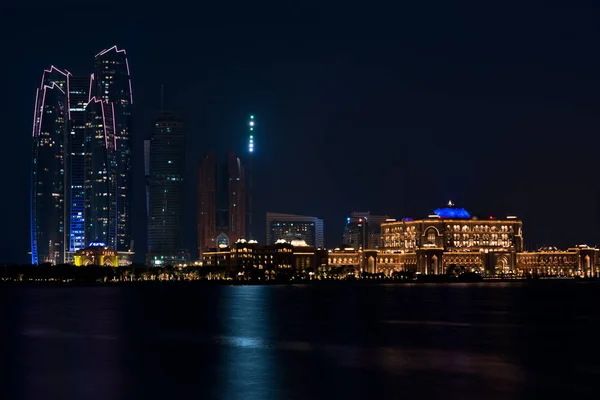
(112, 83)
(78, 98)
(100, 174)
(81, 175)
(50, 125)
(221, 210)
(165, 174)
(251, 143)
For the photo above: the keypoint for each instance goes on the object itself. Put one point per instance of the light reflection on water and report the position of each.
(258, 342)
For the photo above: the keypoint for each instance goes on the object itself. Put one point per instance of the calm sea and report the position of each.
(330, 341)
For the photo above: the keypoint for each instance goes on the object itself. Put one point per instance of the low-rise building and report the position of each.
(244, 256)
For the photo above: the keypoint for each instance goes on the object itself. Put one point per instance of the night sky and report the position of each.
(393, 110)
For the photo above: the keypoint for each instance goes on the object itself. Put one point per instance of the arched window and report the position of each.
(431, 236)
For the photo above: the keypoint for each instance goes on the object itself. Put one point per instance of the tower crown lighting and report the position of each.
(251, 136)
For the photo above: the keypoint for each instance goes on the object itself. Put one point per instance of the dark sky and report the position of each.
(394, 110)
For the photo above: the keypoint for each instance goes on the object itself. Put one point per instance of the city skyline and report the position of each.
(495, 127)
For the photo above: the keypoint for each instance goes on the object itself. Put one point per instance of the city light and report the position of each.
(251, 137)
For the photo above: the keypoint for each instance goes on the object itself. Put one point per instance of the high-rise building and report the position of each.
(50, 126)
(289, 227)
(221, 209)
(363, 230)
(100, 168)
(165, 183)
(79, 88)
(112, 84)
(81, 175)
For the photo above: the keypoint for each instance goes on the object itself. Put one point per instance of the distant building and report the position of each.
(81, 175)
(50, 125)
(96, 254)
(363, 230)
(243, 257)
(111, 84)
(75, 162)
(449, 239)
(289, 227)
(221, 207)
(582, 260)
(165, 169)
(100, 187)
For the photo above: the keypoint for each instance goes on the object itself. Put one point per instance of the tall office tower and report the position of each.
(237, 198)
(50, 124)
(100, 184)
(221, 207)
(165, 175)
(81, 177)
(78, 99)
(362, 230)
(289, 227)
(112, 83)
(206, 211)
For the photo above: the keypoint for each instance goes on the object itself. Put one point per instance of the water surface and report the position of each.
(352, 341)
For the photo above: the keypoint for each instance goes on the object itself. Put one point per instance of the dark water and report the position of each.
(300, 342)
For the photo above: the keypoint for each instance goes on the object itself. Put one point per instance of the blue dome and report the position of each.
(452, 212)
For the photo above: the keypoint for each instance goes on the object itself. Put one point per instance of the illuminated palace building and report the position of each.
(451, 241)
(81, 175)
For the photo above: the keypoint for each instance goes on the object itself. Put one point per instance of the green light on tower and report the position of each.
(251, 141)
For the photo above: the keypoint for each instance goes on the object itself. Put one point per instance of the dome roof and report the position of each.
(452, 212)
(298, 242)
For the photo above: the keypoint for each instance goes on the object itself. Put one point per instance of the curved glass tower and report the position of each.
(81, 167)
(50, 126)
(112, 84)
(100, 174)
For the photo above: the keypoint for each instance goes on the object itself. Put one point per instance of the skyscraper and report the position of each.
(100, 174)
(50, 124)
(165, 180)
(289, 227)
(206, 211)
(221, 209)
(112, 84)
(363, 230)
(81, 175)
(75, 160)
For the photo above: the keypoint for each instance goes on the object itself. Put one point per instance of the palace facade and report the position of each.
(449, 241)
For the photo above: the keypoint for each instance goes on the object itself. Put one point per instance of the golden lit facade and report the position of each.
(352, 260)
(582, 261)
(96, 255)
(245, 256)
(450, 239)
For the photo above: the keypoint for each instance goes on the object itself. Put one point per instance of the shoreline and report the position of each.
(316, 282)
